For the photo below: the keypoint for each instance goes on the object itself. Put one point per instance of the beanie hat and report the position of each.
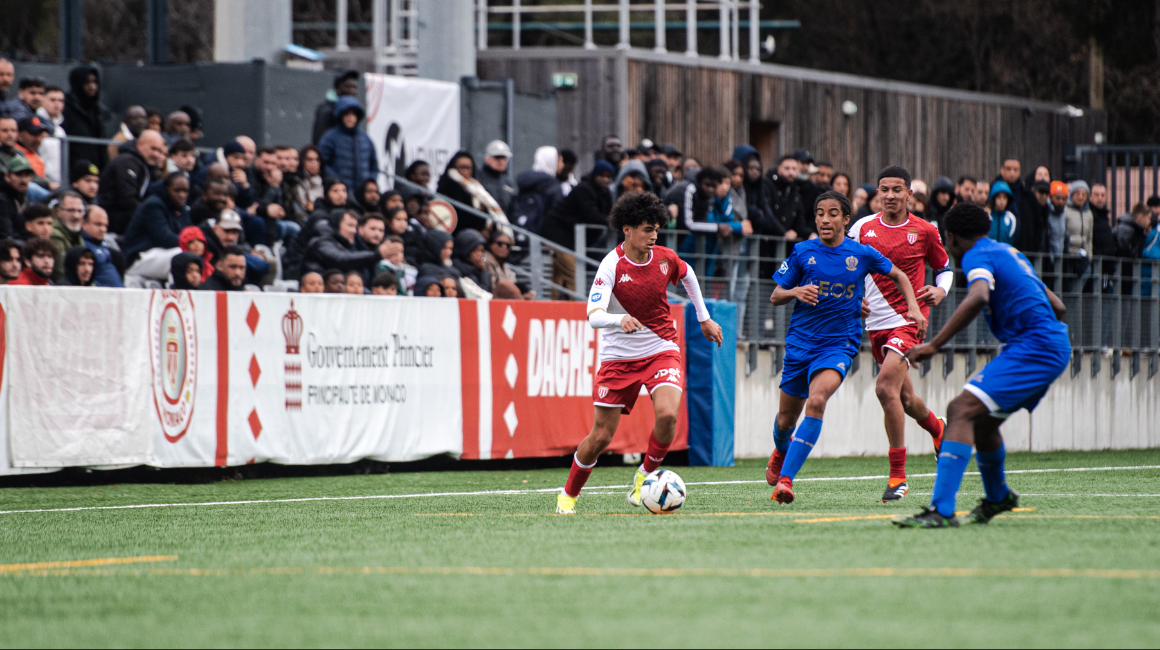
(1075, 186)
(82, 168)
(232, 147)
(603, 167)
(1059, 187)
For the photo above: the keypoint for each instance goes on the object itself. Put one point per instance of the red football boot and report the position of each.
(773, 467)
(783, 493)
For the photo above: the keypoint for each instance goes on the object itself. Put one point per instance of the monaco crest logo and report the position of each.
(664, 266)
(602, 392)
(292, 332)
(173, 355)
(912, 236)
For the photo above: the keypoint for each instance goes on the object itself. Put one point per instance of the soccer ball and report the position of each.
(663, 492)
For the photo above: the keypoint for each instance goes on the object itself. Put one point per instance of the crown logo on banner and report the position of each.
(292, 329)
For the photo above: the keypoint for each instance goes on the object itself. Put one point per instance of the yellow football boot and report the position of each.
(633, 497)
(565, 505)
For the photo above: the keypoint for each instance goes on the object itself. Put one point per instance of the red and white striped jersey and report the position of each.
(912, 246)
(622, 286)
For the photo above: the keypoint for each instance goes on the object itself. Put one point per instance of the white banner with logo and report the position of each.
(198, 379)
(412, 119)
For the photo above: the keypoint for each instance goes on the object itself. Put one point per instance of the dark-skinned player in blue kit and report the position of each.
(1026, 317)
(826, 276)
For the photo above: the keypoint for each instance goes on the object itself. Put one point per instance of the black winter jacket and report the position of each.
(330, 250)
(85, 116)
(585, 204)
(124, 184)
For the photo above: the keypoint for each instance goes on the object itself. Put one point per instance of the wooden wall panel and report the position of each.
(707, 109)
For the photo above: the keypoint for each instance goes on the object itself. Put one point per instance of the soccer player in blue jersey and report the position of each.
(1027, 318)
(826, 276)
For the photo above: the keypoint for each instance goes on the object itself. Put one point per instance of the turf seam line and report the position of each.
(518, 492)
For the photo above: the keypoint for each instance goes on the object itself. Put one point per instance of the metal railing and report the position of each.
(729, 22)
(1113, 304)
(77, 139)
(1131, 172)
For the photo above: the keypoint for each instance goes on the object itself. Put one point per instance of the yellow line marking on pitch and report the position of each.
(626, 572)
(71, 564)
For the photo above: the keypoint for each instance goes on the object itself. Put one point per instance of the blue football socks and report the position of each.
(803, 443)
(952, 463)
(992, 468)
(781, 438)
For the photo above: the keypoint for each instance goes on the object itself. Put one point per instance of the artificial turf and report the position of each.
(1081, 567)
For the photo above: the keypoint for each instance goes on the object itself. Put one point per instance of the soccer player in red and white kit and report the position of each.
(629, 304)
(912, 244)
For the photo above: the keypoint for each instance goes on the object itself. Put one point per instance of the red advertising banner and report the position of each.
(528, 370)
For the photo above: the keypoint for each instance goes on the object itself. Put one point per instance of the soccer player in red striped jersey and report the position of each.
(912, 244)
(629, 304)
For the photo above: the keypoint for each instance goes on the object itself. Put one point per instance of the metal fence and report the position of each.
(1131, 172)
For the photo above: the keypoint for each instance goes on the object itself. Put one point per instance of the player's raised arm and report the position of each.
(914, 312)
(709, 328)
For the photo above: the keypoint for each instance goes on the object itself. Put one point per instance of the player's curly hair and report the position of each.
(832, 195)
(894, 171)
(636, 209)
(967, 220)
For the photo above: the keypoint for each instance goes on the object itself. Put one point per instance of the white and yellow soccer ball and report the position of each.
(663, 492)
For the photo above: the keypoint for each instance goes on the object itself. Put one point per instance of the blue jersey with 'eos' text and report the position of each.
(1019, 307)
(839, 274)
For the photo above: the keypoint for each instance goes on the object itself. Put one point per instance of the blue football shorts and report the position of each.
(1019, 377)
(801, 364)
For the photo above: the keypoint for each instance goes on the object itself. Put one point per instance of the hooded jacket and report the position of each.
(1031, 236)
(934, 212)
(191, 234)
(465, 242)
(157, 223)
(104, 270)
(425, 281)
(631, 168)
(433, 244)
(179, 265)
(85, 116)
(69, 275)
(65, 240)
(543, 184)
(1003, 226)
(124, 185)
(1079, 223)
(785, 204)
(348, 153)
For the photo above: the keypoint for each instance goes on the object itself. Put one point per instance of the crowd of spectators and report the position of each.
(151, 209)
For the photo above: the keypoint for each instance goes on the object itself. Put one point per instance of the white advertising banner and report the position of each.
(78, 376)
(412, 119)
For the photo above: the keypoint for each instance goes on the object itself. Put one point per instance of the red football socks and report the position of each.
(898, 463)
(577, 477)
(655, 454)
(932, 425)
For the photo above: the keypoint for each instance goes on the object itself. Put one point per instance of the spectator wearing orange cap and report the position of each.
(1057, 219)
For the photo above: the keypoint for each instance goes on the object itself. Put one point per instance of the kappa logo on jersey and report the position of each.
(600, 282)
(625, 278)
(664, 266)
(912, 236)
(812, 261)
(673, 375)
(851, 263)
(870, 234)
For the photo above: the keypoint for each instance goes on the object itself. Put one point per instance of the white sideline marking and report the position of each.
(530, 491)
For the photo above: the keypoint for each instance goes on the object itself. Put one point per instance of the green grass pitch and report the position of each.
(1079, 567)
